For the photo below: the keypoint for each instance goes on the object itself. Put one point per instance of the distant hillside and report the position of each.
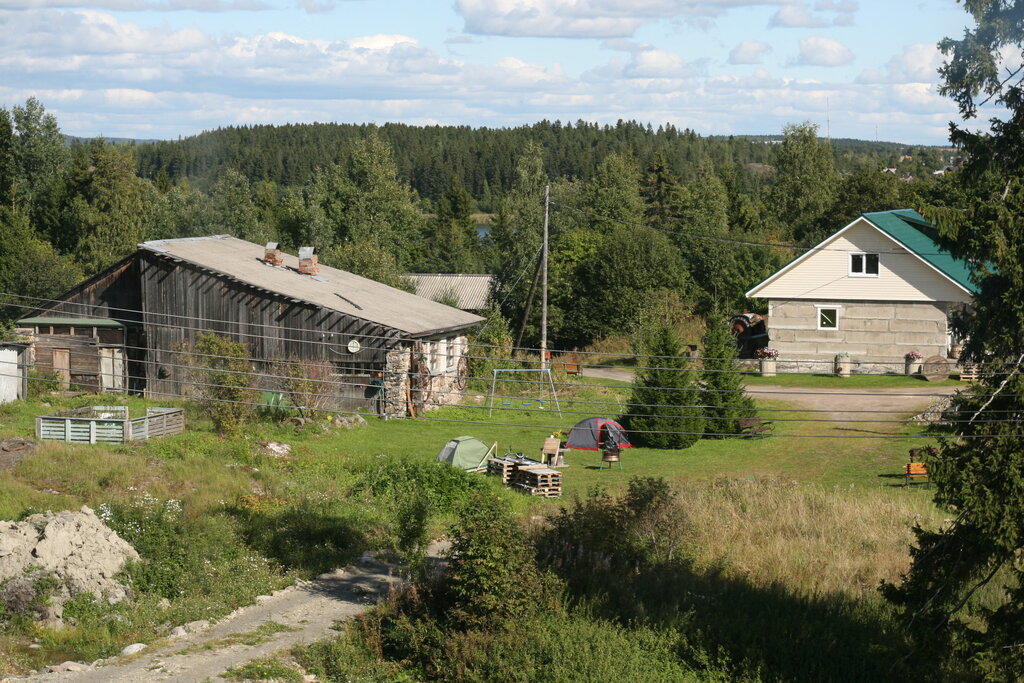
(483, 159)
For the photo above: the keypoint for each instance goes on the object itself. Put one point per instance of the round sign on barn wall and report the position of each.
(935, 369)
(353, 346)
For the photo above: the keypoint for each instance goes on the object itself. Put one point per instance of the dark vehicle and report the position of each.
(751, 332)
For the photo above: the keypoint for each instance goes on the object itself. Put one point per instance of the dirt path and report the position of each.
(299, 614)
(840, 403)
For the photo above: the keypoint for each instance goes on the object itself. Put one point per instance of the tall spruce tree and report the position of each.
(978, 471)
(664, 410)
(720, 374)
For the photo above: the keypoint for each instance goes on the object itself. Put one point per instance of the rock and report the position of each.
(178, 632)
(278, 450)
(76, 549)
(164, 603)
(263, 598)
(200, 625)
(132, 649)
(13, 451)
(67, 666)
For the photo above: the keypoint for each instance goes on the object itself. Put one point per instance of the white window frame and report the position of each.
(864, 263)
(818, 308)
(452, 359)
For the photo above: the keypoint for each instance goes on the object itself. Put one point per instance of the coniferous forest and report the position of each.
(644, 221)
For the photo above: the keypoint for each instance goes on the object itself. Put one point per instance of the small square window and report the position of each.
(828, 318)
(864, 265)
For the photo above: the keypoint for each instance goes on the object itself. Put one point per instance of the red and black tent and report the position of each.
(595, 433)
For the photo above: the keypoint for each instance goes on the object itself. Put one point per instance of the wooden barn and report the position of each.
(129, 327)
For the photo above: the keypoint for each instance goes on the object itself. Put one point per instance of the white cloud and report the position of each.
(587, 18)
(139, 5)
(381, 41)
(799, 15)
(823, 51)
(100, 73)
(796, 16)
(917, 63)
(749, 52)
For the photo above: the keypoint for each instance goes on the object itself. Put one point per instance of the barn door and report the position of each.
(62, 367)
(111, 370)
(10, 375)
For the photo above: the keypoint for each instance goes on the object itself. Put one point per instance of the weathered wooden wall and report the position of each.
(114, 293)
(182, 300)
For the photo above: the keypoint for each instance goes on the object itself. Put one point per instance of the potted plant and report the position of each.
(912, 362)
(843, 366)
(767, 356)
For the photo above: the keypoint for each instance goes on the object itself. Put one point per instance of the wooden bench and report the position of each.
(915, 469)
(755, 427)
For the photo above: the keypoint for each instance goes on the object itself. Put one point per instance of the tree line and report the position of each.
(644, 222)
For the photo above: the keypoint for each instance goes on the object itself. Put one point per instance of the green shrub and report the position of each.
(222, 380)
(41, 382)
(187, 557)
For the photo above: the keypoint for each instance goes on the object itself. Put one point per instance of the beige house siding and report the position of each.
(824, 275)
(879, 332)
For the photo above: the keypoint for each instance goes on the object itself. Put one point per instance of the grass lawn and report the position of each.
(858, 463)
(831, 381)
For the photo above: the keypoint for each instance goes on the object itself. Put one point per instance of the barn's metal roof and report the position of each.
(333, 289)
(71, 321)
(470, 291)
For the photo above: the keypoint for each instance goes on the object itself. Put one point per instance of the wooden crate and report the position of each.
(108, 424)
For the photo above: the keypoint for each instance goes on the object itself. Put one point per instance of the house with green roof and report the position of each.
(876, 289)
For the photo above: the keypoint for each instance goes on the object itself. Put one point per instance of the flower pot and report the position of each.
(767, 367)
(912, 367)
(843, 367)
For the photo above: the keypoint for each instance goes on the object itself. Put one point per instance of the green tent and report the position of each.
(466, 452)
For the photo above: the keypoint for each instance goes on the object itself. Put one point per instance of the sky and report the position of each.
(168, 68)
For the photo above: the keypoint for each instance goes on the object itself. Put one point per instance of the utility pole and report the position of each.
(544, 284)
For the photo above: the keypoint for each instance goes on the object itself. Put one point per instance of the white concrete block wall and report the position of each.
(873, 331)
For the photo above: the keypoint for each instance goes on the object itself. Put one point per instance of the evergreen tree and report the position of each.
(664, 410)
(805, 184)
(979, 468)
(451, 243)
(721, 378)
(29, 266)
(103, 222)
(235, 212)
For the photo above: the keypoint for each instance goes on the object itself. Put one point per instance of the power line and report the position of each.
(391, 338)
(731, 240)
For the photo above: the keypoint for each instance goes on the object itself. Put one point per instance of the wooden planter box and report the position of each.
(108, 424)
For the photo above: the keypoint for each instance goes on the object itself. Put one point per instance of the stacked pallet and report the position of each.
(527, 475)
(506, 466)
(538, 481)
(970, 372)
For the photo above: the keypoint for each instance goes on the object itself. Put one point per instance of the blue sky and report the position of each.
(164, 68)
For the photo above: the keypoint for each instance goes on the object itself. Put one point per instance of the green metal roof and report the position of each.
(910, 229)
(77, 322)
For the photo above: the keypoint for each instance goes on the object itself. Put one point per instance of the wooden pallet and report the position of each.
(970, 372)
(541, 477)
(507, 467)
(545, 492)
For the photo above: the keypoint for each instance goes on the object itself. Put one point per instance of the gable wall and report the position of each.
(825, 274)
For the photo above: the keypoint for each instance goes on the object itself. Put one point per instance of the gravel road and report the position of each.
(308, 611)
(841, 403)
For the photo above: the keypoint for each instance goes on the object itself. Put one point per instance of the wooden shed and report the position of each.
(285, 311)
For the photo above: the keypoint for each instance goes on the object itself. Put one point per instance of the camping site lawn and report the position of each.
(798, 450)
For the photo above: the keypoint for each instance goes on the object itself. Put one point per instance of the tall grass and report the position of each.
(756, 579)
(813, 540)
